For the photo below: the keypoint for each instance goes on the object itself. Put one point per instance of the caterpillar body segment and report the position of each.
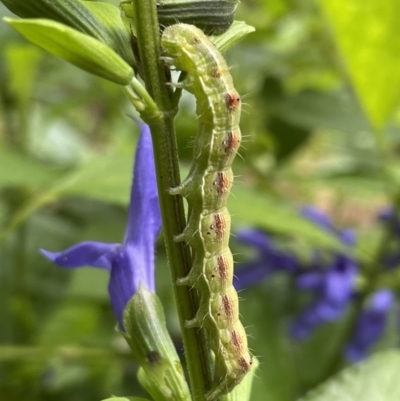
(206, 190)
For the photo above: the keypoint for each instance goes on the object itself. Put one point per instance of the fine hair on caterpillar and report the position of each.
(206, 189)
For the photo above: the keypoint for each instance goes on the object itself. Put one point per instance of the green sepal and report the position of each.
(242, 391)
(148, 337)
(147, 383)
(85, 18)
(79, 49)
(233, 35)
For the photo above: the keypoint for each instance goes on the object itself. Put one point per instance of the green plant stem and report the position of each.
(167, 167)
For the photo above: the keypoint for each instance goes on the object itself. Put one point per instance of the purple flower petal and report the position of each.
(348, 236)
(249, 273)
(132, 263)
(371, 324)
(144, 218)
(90, 253)
(257, 239)
(310, 281)
(317, 217)
(332, 289)
(124, 282)
(269, 259)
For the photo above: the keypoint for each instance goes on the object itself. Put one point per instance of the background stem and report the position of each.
(167, 167)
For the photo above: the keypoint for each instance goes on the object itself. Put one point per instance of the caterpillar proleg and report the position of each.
(206, 189)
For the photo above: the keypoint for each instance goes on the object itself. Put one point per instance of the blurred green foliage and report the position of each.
(321, 124)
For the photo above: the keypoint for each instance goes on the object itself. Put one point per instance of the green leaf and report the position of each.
(367, 36)
(233, 35)
(80, 322)
(99, 20)
(23, 62)
(287, 137)
(276, 379)
(116, 172)
(312, 109)
(209, 15)
(18, 169)
(81, 50)
(68, 12)
(375, 379)
(151, 344)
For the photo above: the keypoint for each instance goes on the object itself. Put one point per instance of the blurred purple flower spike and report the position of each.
(269, 259)
(321, 219)
(371, 324)
(332, 288)
(130, 263)
(389, 217)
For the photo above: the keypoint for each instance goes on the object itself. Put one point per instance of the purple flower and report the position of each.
(321, 219)
(269, 259)
(371, 324)
(331, 287)
(130, 263)
(332, 291)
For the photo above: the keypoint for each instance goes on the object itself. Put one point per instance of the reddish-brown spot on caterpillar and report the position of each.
(228, 307)
(232, 143)
(236, 340)
(222, 182)
(220, 225)
(222, 267)
(232, 101)
(245, 365)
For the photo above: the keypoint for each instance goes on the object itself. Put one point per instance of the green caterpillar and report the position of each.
(207, 189)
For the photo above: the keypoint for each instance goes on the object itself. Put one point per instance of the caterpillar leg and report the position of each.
(187, 186)
(200, 319)
(190, 280)
(182, 190)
